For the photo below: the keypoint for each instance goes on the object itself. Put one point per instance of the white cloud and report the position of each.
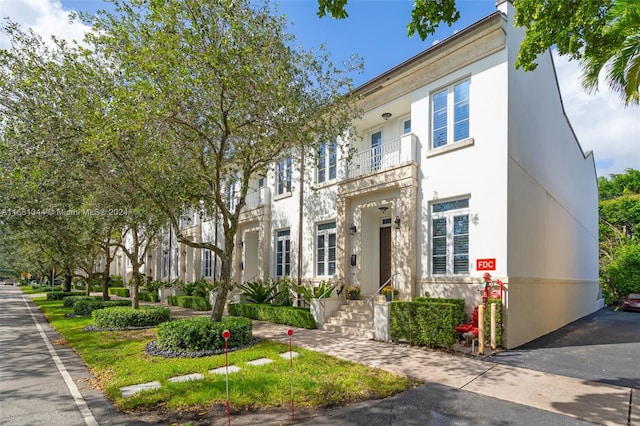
(601, 121)
(45, 17)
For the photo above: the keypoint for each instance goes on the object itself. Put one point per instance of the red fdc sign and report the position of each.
(485, 264)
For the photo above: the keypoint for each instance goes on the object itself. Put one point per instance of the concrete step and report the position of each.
(364, 324)
(353, 331)
(357, 316)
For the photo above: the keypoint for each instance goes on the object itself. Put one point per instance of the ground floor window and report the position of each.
(326, 249)
(450, 237)
(283, 253)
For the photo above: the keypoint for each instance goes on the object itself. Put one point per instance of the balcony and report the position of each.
(385, 156)
(257, 198)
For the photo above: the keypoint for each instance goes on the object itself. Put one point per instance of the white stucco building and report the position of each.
(458, 157)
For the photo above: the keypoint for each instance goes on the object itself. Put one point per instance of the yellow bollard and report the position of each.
(493, 326)
(481, 330)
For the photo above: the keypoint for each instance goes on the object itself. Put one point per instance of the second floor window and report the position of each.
(450, 237)
(327, 161)
(283, 177)
(450, 114)
(207, 263)
(326, 249)
(231, 195)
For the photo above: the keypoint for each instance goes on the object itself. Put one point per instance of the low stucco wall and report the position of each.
(535, 307)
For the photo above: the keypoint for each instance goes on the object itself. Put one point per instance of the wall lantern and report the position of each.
(353, 229)
(386, 115)
(397, 222)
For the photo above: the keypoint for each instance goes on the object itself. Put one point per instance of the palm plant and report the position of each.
(619, 54)
(260, 291)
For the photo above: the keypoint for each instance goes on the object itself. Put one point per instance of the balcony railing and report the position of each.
(257, 198)
(381, 157)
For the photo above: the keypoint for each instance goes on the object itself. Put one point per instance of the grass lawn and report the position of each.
(117, 359)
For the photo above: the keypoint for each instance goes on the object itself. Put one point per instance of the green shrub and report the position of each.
(116, 281)
(60, 295)
(149, 296)
(290, 315)
(203, 334)
(86, 307)
(423, 323)
(190, 302)
(68, 301)
(459, 314)
(122, 317)
(119, 291)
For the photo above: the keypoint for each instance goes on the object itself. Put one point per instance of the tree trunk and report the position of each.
(67, 281)
(105, 283)
(225, 282)
(135, 300)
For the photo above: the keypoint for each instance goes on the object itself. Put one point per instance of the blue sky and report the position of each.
(376, 31)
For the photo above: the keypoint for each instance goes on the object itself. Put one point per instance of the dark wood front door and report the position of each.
(385, 254)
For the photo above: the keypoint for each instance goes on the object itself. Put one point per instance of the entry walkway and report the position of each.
(594, 402)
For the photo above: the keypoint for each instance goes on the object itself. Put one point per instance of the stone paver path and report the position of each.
(127, 391)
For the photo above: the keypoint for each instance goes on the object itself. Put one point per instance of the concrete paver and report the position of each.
(127, 391)
(186, 378)
(223, 370)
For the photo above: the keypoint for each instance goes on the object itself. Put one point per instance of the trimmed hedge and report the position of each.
(68, 301)
(289, 315)
(149, 296)
(203, 334)
(119, 291)
(122, 317)
(423, 323)
(459, 315)
(60, 295)
(192, 302)
(86, 307)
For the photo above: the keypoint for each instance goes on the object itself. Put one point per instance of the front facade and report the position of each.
(457, 157)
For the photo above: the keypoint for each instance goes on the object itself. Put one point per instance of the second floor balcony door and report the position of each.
(376, 150)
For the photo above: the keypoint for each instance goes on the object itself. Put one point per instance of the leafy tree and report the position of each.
(602, 34)
(211, 91)
(41, 126)
(619, 209)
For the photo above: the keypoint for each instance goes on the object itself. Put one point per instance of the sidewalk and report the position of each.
(580, 399)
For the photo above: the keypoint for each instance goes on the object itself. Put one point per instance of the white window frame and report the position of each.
(375, 163)
(401, 124)
(450, 111)
(284, 170)
(207, 263)
(449, 215)
(283, 252)
(325, 266)
(327, 163)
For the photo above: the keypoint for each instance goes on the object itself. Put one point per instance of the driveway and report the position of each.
(602, 347)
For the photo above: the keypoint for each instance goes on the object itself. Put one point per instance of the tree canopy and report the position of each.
(604, 35)
(619, 210)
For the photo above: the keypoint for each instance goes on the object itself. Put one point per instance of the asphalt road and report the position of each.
(602, 347)
(43, 382)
